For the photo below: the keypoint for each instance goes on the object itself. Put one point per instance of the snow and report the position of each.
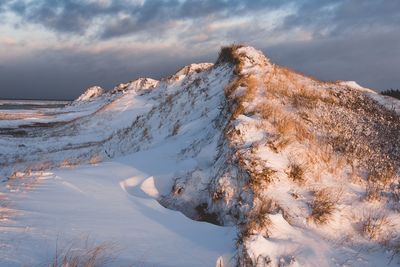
(90, 94)
(286, 241)
(388, 102)
(116, 200)
(355, 85)
(114, 166)
(192, 68)
(138, 84)
(110, 202)
(149, 188)
(293, 238)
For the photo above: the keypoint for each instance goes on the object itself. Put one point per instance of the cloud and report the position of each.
(118, 18)
(110, 19)
(67, 45)
(63, 73)
(150, 18)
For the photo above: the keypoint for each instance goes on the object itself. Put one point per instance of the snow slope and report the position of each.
(296, 172)
(117, 200)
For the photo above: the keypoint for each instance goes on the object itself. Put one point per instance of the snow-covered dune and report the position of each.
(116, 201)
(286, 170)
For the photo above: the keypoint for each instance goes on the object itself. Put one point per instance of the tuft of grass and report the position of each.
(239, 110)
(169, 100)
(258, 178)
(227, 54)
(218, 195)
(146, 134)
(296, 172)
(374, 225)
(177, 188)
(176, 128)
(258, 220)
(322, 153)
(324, 204)
(280, 143)
(305, 97)
(86, 255)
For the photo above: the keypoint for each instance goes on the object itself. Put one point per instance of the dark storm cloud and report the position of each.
(330, 17)
(73, 16)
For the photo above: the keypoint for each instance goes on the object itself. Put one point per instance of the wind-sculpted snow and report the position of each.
(307, 171)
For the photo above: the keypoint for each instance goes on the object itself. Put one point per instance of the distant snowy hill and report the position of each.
(291, 171)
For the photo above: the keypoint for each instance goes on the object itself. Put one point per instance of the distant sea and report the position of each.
(31, 104)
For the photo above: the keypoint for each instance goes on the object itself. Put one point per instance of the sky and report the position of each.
(55, 49)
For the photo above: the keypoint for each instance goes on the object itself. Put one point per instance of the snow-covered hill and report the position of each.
(306, 171)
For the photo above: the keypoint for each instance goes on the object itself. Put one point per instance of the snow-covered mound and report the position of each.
(307, 171)
(192, 68)
(90, 94)
(138, 84)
